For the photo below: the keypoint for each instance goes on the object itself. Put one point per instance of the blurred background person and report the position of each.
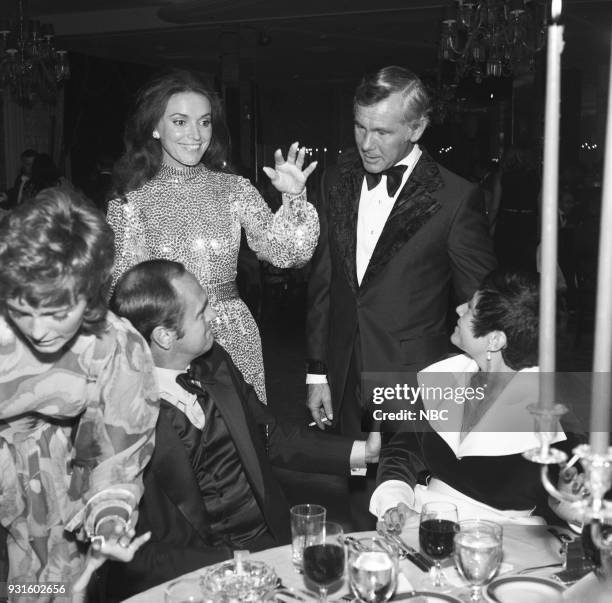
(515, 205)
(45, 174)
(100, 183)
(15, 193)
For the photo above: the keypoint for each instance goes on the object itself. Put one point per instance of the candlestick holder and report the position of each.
(592, 508)
(546, 428)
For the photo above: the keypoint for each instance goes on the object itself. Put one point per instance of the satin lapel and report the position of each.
(175, 476)
(224, 393)
(343, 208)
(414, 206)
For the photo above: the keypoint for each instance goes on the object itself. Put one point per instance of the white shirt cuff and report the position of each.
(388, 495)
(358, 462)
(312, 378)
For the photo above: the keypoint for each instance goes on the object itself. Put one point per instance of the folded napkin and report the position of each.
(403, 583)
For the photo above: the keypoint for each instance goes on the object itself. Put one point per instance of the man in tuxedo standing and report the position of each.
(209, 488)
(398, 233)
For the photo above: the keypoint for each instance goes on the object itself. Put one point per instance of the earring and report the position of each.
(488, 355)
(156, 134)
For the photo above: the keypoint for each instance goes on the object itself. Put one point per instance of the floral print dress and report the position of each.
(71, 428)
(194, 216)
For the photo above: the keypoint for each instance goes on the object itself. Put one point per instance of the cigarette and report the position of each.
(324, 420)
(572, 462)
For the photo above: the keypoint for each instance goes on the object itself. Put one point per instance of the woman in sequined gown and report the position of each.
(176, 200)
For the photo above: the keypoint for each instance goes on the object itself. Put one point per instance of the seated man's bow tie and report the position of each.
(394, 178)
(189, 404)
(187, 382)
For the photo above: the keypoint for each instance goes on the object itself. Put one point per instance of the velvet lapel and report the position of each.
(414, 206)
(343, 208)
(175, 476)
(213, 372)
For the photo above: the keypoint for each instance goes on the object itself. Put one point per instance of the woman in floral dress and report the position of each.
(78, 400)
(176, 200)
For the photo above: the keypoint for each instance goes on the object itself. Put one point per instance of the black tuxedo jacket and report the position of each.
(435, 238)
(172, 507)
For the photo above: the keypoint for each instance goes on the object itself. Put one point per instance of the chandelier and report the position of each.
(491, 38)
(30, 66)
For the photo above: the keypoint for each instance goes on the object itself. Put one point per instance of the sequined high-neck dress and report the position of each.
(194, 216)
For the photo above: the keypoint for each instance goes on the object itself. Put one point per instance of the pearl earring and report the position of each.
(156, 134)
(488, 355)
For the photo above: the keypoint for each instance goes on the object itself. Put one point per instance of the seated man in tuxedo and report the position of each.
(209, 488)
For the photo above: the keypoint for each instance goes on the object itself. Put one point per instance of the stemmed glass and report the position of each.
(324, 561)
(437, 529)
(478, 553)
(373, 568)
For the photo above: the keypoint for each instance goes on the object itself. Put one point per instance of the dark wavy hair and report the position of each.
(376, 87)
(54, 249)
(510, 302)
(143, 153)
(146, 297)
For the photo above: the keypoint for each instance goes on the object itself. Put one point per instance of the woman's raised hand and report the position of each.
(288, 176)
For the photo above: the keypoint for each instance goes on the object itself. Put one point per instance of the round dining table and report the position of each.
(525, 546)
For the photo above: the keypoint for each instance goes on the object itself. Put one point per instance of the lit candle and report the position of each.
(602, 353)
(550, 210)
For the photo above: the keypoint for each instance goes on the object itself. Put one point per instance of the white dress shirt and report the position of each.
(180, 398)
(374, 208)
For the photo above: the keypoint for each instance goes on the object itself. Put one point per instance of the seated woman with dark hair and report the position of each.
(79, 400)
(474, 457)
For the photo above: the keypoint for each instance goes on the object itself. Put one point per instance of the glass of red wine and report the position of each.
(437, 529)
(324, 562)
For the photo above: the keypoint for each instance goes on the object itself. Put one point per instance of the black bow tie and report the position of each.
(394, 178)
(188, 383)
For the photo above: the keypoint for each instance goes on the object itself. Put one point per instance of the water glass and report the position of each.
(372, 568)
(306, 530)
(324, 563)
(478, 553)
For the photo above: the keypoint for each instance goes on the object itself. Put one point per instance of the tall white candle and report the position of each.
(550, 210)
(602, 353)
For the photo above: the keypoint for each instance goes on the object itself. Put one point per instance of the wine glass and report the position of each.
(478, 553)
(324, 562)
(437, 528)
(373, 568)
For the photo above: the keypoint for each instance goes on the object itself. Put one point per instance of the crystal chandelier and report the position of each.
(30, 66)
(492, 38)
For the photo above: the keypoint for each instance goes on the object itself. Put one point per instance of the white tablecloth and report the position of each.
(524, 546)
